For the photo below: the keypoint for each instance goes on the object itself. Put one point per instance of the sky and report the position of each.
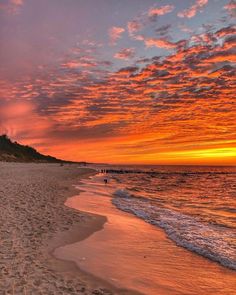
(128, 81)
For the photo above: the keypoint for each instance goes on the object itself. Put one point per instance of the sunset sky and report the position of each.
(120, 81)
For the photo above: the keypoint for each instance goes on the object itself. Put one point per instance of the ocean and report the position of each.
(195, 206)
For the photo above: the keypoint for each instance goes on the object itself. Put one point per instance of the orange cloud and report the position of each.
(134, 26)
(161, 43)
(115, 34)
(192, 11)
(161, 10)
(125, 53)
(230, 6)
(77, 64)
(230, 30)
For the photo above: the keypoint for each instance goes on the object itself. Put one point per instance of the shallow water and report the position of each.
(130, 253)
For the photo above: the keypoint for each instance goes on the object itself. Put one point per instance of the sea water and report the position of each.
(195, 206)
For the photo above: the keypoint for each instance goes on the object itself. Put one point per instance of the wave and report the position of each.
(208, 240)
(122, 193)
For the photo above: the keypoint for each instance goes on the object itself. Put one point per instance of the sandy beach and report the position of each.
(34, 221)
(48, 246)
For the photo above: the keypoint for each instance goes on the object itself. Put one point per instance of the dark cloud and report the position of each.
(163, 30)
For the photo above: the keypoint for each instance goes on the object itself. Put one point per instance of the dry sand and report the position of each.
(34, 221)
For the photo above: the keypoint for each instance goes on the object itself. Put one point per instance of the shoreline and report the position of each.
(33, 217)
(78, 233)
(168, 264)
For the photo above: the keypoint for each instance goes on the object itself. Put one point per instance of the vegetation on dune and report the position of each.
(15, 152)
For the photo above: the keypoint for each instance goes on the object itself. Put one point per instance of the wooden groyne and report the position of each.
(153, 173)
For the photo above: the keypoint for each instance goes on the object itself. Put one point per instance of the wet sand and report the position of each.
(33, 221)
(129, 253)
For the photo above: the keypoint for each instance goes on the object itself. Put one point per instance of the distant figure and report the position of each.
(105, 180)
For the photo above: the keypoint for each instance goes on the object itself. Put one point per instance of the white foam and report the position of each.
(211, 241)
(122, 193)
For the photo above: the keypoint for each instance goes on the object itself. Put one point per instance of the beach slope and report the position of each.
(32, 213)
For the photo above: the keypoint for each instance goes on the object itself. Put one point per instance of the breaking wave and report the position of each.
(209, 240)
